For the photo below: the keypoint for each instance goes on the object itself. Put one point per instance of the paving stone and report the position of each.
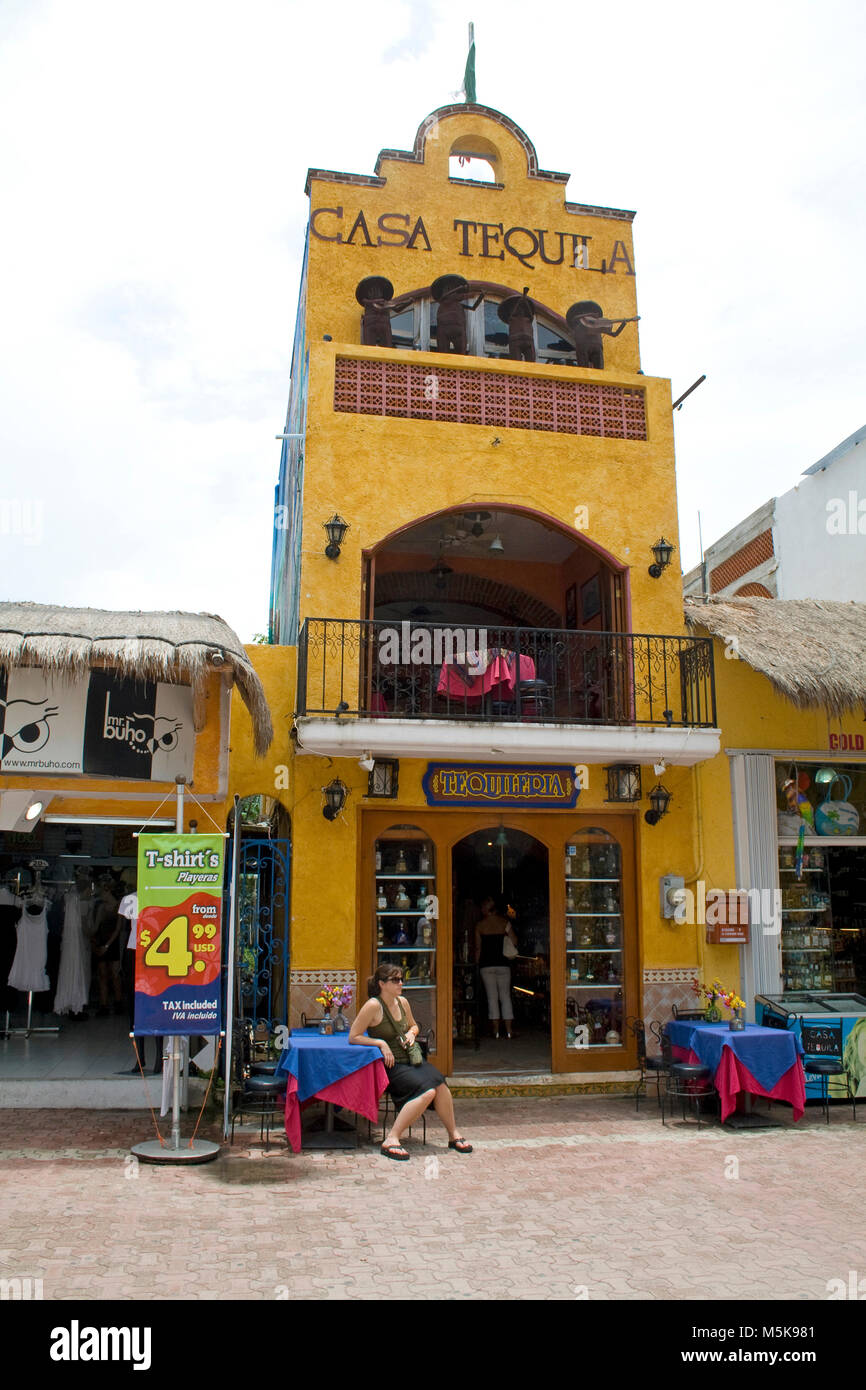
(560, 1193)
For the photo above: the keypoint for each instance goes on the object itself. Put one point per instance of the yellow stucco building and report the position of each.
(480, 682)
(510, 498)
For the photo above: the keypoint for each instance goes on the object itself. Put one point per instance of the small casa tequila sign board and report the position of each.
(500, 784)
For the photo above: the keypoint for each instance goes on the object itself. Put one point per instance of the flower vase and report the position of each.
(341, 1023)
(326, 1024)
(713, 1013)
(737, 1021)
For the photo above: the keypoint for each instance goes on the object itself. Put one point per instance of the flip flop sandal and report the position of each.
(461, 1145)
(395, 1151)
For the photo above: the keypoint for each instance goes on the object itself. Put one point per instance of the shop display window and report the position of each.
(406, 927)
(594, 961)
(823, 892)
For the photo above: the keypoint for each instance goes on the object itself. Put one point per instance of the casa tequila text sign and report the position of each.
(509, 784)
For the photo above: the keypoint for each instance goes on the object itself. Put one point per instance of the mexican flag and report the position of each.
(469, 73)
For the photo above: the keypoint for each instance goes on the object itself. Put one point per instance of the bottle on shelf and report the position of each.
(378, 860)
(400, 866)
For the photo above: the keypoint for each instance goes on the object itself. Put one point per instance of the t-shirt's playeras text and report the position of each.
(178, 951)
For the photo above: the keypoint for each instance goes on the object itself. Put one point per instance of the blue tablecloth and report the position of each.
(767, 1052)
(317, 1060)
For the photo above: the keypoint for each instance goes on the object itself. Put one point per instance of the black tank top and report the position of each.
(491, 949)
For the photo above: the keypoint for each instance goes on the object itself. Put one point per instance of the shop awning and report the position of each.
(811, 650)
(152, 646)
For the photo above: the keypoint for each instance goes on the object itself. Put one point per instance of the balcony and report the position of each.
(418, 689)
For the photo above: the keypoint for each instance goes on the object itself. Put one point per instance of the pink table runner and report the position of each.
(732, 1077)
(360, 1092)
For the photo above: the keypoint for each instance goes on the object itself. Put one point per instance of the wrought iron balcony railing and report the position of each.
(386, 670)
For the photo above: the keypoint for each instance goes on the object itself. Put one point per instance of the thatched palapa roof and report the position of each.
(152, 646)
(811, 650)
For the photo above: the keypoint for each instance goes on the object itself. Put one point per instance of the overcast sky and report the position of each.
(152, 165)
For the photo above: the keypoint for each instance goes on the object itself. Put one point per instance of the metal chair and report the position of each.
(651, 1068)
(253, 1093)
(822, 1043)
(386, 1101)
(685, 1081)
(687, 1015)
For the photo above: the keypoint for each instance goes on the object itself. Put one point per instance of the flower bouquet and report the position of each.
(337, 997)
(716, 994)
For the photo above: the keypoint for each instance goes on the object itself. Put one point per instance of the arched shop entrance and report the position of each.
(571, 881)
(501, 861)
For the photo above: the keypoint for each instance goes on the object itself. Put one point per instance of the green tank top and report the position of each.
(391, 1032)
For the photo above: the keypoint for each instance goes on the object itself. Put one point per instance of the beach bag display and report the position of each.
(837, 817)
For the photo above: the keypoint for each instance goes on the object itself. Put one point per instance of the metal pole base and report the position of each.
(742, 1120)
(200, 1151)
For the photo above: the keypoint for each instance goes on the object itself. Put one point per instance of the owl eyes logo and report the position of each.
(25, 725)
(132, 729)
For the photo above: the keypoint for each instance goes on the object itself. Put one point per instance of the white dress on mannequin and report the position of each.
(73, 983)
(28, 967)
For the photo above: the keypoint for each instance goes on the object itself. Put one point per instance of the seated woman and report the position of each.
(387, 1020)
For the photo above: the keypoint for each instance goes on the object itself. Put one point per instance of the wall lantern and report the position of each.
(336, 529)
(660, 799)
(335, 794)
(441, 572)
(383, 777)
(662, 551)
(623, 782)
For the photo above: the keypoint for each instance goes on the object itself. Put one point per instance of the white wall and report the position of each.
(814, 559)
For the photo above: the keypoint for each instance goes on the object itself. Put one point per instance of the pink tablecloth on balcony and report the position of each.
(502, 671)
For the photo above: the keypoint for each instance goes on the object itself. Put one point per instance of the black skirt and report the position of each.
(406, 1082)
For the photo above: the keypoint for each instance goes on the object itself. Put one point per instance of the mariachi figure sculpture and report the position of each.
(518, 313)
(587, 323)
(448, 291)
(375, 295)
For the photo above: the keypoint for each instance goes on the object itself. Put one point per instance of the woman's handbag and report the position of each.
(414, 1053)
(509, 950)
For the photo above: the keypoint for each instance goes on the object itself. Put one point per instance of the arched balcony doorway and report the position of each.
(501, 612)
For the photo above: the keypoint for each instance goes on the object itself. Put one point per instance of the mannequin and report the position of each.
(129, 909)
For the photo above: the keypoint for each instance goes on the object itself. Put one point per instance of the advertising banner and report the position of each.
(99, 724)
(178, 950)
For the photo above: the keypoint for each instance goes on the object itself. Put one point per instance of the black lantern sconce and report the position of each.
(623, 782)
(335, 794)
(662, 551)
(660, 800)
(336, 529)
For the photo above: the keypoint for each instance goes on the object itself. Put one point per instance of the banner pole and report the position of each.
(231, 972)
(195, 1150)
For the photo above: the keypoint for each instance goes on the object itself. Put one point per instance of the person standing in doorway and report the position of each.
(491, 934)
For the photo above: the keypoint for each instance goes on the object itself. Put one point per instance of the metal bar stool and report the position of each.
(688, 1081)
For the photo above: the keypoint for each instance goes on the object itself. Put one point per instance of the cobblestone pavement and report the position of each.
(562, 1199)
